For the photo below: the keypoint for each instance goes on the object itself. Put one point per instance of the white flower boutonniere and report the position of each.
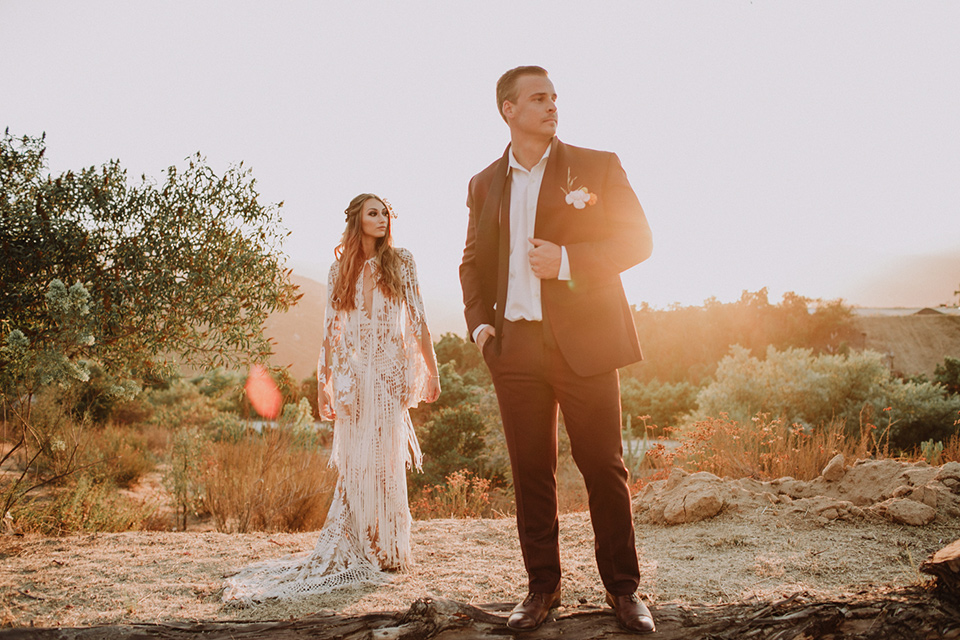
(578, 197)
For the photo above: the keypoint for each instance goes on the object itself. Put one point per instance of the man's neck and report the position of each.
(528, 151)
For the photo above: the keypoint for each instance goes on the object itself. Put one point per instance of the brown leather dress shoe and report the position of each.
(632, 614)
(531, 613)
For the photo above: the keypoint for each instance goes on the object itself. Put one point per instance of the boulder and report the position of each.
(700, 502)
(905, 511)
(835, 469)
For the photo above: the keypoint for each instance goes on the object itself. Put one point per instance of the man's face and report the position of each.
(535, 111)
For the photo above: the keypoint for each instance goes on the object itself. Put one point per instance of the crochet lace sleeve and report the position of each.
(417, 373)
(411, 291)
(328, 319)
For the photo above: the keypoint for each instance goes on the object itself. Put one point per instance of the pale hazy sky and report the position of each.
(801, 146)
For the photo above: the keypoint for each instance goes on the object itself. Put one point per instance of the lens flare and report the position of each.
(263, 392)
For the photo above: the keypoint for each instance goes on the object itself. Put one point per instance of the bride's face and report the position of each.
(374, 218)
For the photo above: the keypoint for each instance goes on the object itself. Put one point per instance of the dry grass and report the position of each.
(268, 483)
(951, 449)
(765, 449)
(464, 495)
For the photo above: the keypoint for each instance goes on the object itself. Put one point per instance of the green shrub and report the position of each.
(813, 390)
(664, 404)
(182, 478)
(947, 375)
(84, 506)
(452, 441)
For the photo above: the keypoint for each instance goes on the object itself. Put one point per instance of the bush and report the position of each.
(182, 476)
(120, 455)
(947, 375)
(452, 441)
(663, 404)
(269, 482)
(796, 386)
(465, 358)
(686, 343)
(461, 430)
(765, 449)
(462, 495)
(86, 505)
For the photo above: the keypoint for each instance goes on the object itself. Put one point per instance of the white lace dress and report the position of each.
(378, 373)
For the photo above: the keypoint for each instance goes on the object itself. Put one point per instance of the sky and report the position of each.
(811, 147)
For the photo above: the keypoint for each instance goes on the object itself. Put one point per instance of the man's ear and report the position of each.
(507, 109)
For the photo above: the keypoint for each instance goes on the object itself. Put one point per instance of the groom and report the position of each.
(551, 228)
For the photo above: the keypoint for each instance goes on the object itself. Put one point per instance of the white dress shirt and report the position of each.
(523, 289)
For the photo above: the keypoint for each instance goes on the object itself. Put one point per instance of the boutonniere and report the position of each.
(578, 197)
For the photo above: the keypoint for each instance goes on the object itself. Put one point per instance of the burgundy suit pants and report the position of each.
(532, 380)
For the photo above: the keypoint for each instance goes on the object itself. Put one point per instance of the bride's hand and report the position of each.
(433, 389)
(325, 405)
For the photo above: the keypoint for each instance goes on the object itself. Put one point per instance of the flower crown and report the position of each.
(390, 212)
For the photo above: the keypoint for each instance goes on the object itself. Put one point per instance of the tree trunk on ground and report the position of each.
(945, 566)
(913, 612)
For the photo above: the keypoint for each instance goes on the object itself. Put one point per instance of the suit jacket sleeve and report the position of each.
(628, 240)
(477, 311)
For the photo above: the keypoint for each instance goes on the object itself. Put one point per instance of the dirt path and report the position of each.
(764, 546)
(737, 557)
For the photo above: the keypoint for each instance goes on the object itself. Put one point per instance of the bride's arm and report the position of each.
(324, 401)
(430, 357)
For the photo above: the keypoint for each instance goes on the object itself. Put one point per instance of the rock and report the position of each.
(866, 481)
(949, 476)
(826, 508)
(699, 503)
(835, 469)
(884, 487)
(927, 494)
(905, 511)
(682, 497)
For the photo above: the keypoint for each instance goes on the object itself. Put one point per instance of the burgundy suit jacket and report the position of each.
(588, 315)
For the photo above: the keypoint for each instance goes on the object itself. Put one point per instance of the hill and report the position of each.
(915, 343)
(298, 333)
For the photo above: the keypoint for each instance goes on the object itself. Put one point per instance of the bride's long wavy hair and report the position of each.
(349, 254)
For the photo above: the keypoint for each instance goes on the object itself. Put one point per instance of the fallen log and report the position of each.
(914, 612)
(945, 566)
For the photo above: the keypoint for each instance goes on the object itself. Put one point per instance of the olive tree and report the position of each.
(133, 278)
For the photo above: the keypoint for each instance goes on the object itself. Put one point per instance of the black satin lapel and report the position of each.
(503, 262)
(490, 216)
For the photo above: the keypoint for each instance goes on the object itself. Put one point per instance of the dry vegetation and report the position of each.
(184, 457)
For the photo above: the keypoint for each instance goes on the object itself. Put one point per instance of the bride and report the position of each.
(377, 361)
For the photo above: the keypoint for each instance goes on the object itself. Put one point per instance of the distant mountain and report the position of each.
(298, 333)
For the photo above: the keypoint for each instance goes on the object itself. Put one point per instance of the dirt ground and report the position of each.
(745, 553)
